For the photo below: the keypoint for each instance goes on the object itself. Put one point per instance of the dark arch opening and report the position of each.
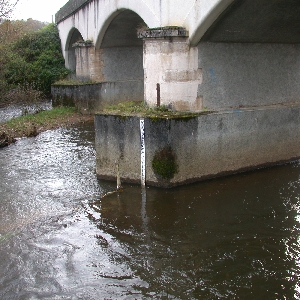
(257, 21)
(121, 54)
(74, 36)
(250, 55)
(122, 31)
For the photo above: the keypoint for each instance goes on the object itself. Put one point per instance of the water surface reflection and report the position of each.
(231, 238)
(8, 112)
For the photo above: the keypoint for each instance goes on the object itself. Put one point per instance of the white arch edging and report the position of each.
(202, 16)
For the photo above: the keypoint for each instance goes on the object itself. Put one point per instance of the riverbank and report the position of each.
(32, 125)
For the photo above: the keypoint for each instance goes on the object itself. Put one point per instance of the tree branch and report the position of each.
(6, 8)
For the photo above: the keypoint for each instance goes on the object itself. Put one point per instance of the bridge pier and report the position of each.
(170, 63)
(88, 62)
(235, 62)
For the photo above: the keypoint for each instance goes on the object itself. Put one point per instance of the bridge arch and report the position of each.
(202, 16)
(121, 55)
(246, 21)
(120, 29)
(73, 37)
(249, 53)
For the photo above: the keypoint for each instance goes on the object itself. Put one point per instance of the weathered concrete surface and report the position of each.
(106, 64)
(273, 21)
(88, 63)
(89, 98)
(172, 64)
(92, 18)
(122, 64)
(117, 141)
(257, 21)
(206, 146)
(244, 75)
(69, 8)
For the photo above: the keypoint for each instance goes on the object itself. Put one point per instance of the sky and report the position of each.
(41, 10)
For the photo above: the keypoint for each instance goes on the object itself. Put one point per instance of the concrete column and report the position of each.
(88, 62)
(96, 64)
(171, 74)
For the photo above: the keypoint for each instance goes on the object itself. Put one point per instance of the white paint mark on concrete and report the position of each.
(143, 152)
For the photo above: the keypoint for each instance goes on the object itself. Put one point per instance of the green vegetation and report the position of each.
(32, 61)
(39, 119)
(164, 163)
(133, 108)
(31, 125)
(69, 81)
(11, 31)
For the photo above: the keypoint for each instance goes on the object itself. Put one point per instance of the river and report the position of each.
(8, 112)
(236, 237)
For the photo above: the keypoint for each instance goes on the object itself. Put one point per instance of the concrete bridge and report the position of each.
(195, 55)
(208, 54)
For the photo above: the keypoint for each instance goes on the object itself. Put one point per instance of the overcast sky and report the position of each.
(41, 10)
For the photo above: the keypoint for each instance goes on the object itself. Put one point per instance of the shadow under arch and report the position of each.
(251, 21)
(249, 55)
(120, 29)
(121, 54)
(73, 37)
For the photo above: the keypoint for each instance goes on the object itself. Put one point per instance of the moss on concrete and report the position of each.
(73, 82)
(135, 108)
(164, 163)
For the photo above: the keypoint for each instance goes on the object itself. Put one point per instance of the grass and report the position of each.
(47, 117)
(73, 82)
(134, 108)
(32, 125)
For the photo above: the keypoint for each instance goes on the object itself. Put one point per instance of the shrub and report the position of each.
(36, 60)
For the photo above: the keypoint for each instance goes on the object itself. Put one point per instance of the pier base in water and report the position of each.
(184, 150)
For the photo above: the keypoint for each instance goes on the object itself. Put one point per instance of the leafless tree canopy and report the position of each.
(6, 8)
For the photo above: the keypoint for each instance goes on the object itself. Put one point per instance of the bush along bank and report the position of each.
(32, 125)
(30, 64)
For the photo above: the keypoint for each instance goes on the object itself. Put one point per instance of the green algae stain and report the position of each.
(164, 163)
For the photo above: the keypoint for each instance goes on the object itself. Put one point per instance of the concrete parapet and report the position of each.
(184, 150)
(69, 8)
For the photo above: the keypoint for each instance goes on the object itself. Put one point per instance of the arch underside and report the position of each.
(122, 31)
(121, 53)
(250, 56)
(74, 36)
(257, 21)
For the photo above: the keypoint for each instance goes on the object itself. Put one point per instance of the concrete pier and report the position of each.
(197, 148)
(234, 62)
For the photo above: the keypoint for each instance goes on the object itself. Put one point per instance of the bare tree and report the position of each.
(6, 8)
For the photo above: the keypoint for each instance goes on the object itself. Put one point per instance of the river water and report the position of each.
(232, 238)
(8, 112)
